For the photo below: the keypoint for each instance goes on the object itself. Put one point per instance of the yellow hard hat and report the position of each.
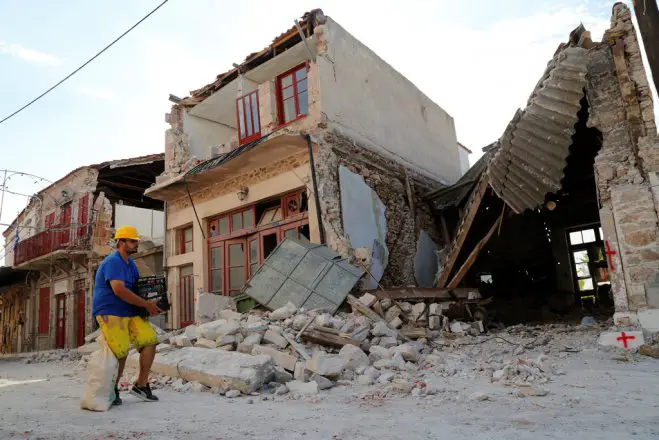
(127, 233)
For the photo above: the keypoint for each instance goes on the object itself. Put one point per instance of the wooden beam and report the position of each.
(423, 293)
(361, 308)
(322, 338)
(457, 279)
(467, 219)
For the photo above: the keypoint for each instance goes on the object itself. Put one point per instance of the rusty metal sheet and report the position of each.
(306, 274)
(535, 145)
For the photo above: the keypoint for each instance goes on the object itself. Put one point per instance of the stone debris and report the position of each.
(302, 352)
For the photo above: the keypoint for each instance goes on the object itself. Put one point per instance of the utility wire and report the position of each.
(85, 64)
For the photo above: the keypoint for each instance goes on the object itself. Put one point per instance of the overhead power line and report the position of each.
(83, 65)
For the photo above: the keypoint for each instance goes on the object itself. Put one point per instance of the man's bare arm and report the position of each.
(126, 295)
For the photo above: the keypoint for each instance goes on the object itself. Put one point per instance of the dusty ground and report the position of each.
(599, 397)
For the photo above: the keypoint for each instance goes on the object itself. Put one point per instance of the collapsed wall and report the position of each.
(368, 201)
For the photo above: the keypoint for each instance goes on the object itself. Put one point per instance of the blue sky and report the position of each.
(478, 59)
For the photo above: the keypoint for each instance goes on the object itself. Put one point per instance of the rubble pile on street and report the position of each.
(56, 356)
(300, 353)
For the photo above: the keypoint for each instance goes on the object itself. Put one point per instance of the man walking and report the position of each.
(117, 310)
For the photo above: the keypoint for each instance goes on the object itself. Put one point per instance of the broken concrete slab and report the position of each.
(323, 382)
(210, 305)
(191, 332)
(249, 342)
(628, 340)
(284, 360)
(284, 312)
(353, 357)
(306, 388)
(181, 341)
(274, 338)
(326, 364)
(226, 340)
(230, 315)
(213, 368)
(368, 299)
(382, 329)
(205, 343)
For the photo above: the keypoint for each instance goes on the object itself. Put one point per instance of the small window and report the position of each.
(588, 235)
(293, 94)
(185, 240)
(271, 215)
(575, 238)
(247, 110)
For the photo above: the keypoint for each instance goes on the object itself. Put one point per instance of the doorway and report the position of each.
(60, 321)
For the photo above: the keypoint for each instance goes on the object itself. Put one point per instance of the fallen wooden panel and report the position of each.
(424, 293)
(415, 333)
(331, 339)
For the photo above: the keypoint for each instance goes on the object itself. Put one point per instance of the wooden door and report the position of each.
(60, 321)
(216, 267)
(186, 296)
(236, 265)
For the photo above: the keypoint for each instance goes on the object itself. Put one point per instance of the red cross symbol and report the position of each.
(610, 253)
(624, 338)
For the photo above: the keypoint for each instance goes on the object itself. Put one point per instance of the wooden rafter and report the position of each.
(465, 225)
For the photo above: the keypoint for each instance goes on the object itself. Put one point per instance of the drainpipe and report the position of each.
(321, 229)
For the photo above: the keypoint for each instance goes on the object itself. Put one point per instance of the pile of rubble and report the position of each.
(302, 352)
(54, 356)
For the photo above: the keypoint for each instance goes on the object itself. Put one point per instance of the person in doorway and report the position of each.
(116, 308)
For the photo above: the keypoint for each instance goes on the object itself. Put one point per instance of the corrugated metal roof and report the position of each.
(536, 143)
(224, 158)
(456, 193)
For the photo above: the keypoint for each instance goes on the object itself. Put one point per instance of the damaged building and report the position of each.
(54, 246)
(561, 212)
(313, 137)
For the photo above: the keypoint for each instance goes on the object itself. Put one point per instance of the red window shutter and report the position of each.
(44, 309)
(83, 215)
(50, 220)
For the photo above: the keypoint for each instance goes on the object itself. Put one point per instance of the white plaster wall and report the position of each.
(464, 160)
(203, 133)
(150, 223)
(366, 98)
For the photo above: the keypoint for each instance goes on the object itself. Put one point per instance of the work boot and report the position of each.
(143, 393)
(117, 400)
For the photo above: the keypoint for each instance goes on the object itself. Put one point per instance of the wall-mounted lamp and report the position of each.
(242, 193)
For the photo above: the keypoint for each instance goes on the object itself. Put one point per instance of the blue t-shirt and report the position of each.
(105, 302)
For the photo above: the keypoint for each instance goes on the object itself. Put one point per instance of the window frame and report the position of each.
(185, 294)
(296, 94)
(232, 232)
(256, 134)
(182, 241)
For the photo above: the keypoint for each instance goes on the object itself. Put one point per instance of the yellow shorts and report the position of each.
(120, 331)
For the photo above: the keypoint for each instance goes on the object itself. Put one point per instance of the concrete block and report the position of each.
(301, 373)
(323, 382)
(272, 337)
(396, 322)
(284, 360)
(208, 330)
(354, 357)
(282, 376)
(205, 343)
(361, 333)
(182, 341)
(377, 352)
(213, 368)
(435, 323)
(326, 365)
(409, 351)
(191, 331)
(249, 342)
(393, 312)
(230, 315)
(388, 342)
(649, 320)
(368, 299)
(226, 340)
(381, 329)
(306, 388)
(631, 339)
(283, 312)
(418, 310)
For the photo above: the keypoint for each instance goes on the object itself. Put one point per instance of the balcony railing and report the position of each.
(46, 242)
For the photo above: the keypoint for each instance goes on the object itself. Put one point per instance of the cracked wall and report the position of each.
(405, 216)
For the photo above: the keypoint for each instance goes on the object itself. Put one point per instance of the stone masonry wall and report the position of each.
(621, 108)
(389, 181)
